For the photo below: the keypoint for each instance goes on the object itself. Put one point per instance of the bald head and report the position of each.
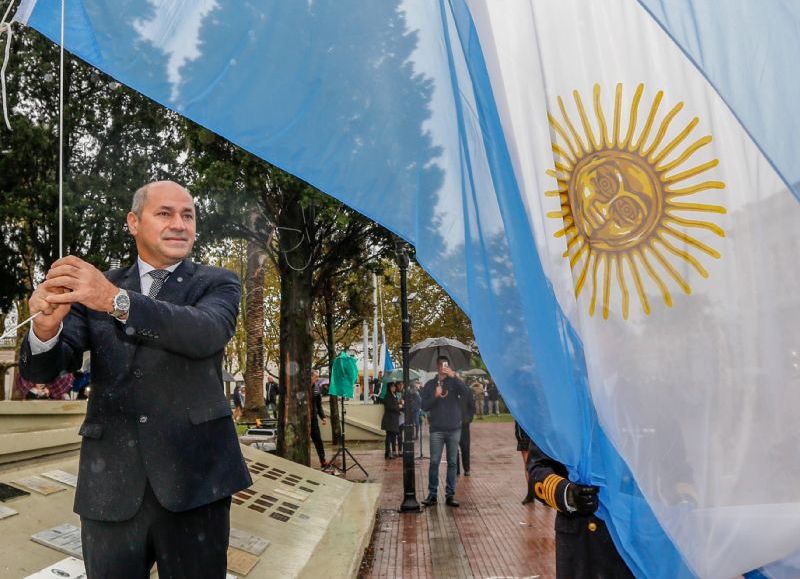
(140, 196)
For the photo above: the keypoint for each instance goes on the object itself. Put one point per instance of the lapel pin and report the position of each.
(180, 279)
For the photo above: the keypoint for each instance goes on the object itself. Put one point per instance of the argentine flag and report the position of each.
(608, 188)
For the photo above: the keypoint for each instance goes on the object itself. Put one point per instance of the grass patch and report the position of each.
(492, 418)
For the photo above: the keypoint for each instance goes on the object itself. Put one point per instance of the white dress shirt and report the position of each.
(145, 280)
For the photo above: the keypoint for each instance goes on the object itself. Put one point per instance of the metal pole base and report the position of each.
(410, 505)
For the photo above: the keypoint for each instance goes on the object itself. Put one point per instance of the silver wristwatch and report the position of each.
(122, 305)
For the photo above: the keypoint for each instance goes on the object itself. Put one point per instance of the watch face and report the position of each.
(122, 302)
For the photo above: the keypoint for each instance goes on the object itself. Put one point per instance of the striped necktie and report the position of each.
(159, 277)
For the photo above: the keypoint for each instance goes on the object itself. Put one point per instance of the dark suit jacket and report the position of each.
(467, 407)
(158, 411)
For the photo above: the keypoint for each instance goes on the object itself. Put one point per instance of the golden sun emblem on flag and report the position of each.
(622, 200)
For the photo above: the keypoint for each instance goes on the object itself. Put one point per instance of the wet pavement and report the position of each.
(490, 535)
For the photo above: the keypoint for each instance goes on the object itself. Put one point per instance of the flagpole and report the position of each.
(375, 353)
(365, 364)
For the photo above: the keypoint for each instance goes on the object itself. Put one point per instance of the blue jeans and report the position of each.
(439, 440)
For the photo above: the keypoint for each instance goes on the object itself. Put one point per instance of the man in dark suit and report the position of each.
(584, 549)
(160, 458)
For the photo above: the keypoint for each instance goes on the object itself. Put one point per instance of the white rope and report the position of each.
(61, 141)
(11, 331)
(7, 12)
(5, 26)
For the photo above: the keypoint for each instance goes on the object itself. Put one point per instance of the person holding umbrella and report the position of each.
(442, 398)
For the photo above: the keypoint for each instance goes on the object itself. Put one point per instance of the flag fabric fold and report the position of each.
(608, 190)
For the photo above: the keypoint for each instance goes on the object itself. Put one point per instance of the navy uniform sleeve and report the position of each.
(548, 478)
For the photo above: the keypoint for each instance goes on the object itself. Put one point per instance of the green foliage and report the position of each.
(115, 141)
(433, 312)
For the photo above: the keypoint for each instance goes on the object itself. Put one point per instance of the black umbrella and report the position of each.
(423, 355)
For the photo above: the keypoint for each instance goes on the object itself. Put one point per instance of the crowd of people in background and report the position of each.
(478, 399)
(486, 397)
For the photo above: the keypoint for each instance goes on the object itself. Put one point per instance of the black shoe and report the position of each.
(466, 473)
(452, 502)
(430, 501)
(529, 498)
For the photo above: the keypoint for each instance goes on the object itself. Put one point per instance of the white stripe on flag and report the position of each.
(694, 373)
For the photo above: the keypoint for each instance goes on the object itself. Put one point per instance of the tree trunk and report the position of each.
(336, 426)
(254, 405)
(296, 339)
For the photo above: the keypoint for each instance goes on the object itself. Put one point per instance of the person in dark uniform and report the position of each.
(523, 443)
(584, 549)
(317, 411)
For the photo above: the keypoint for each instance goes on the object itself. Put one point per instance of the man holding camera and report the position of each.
(442, 399)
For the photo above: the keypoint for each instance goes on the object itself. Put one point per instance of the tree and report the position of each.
(312, 241)
(115, 140)
(433, 312)
(339, 311)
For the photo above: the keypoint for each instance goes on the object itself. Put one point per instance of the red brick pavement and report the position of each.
(490, 535)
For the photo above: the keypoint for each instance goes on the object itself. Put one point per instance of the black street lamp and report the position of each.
(410, 503)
